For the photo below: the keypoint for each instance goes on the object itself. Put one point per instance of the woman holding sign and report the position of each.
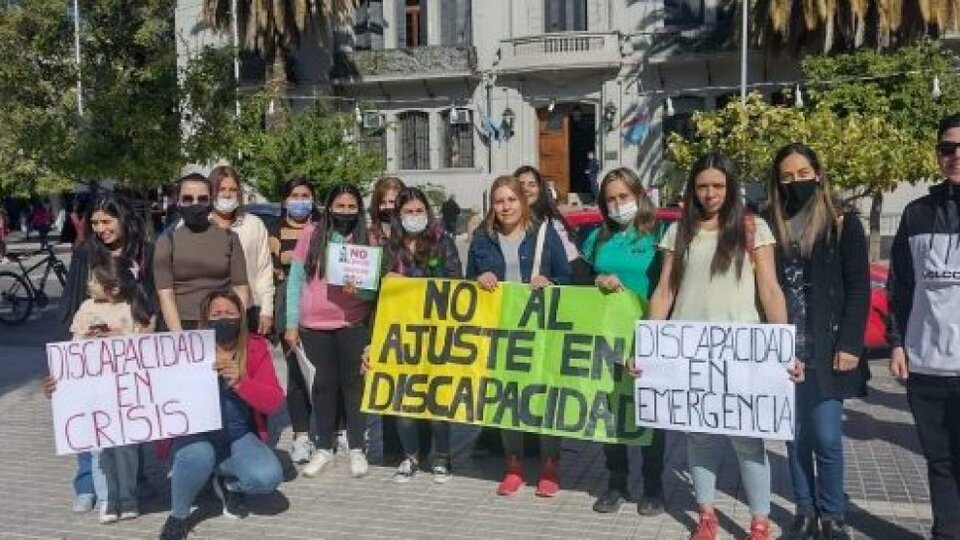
(717, 262)
(512, 246)
(237, 454)
(822, 264)
(421, 248)
(331, 323)
(623, 253)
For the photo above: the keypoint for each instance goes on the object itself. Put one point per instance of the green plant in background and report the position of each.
(316, 142)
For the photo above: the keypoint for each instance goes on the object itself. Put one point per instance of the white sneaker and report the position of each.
(319, 461)
(406, 471)
(107, 516)
(358, 463)
(302, 449)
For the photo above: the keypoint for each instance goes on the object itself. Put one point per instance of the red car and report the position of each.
(586, 218)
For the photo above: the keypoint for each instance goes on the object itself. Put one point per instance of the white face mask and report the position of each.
(225, 205)
(625, 213)
(414, 224)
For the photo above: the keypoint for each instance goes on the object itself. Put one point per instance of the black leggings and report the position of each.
(298, 396)
(336, 355)
(652, 467)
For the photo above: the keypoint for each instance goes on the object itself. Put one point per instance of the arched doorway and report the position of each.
(565, 136)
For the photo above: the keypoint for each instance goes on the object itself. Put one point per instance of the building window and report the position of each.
(457, 139)
(414, 140)
(415, 23)
(373, 141)
(565, 16)
(681, 122)
(683, 12)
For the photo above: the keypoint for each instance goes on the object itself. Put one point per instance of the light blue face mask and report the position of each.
(299, 208)
(414, 224)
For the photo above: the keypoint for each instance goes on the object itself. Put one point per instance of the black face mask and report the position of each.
(226, 331)
(386, 214)
(196, 216)
(343, 223)
(796, 194)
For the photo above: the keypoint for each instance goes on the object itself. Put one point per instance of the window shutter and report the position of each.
(375, 23)
(400, 23)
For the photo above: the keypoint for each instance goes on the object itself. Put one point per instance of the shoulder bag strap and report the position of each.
(538, 251)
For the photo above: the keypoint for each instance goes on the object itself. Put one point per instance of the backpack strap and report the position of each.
(538, 250)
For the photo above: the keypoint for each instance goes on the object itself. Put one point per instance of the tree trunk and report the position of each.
(276, 86)
(876, 205)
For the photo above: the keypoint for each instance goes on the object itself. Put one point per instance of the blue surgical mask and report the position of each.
(625, 213)
(299, 208)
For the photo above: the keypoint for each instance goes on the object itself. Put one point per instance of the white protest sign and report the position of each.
(359, 264)
(715, 378)
(131, 389)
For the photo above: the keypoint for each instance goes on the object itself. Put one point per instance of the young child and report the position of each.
(117, 306)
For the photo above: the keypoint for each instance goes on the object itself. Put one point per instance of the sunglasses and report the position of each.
(947, 148)
(190, 199)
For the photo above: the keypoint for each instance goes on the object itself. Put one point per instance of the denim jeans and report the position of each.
(705, 452)
(409, 430)
(935, 403)
(119, 466)
(98, 476)
(83, 479)
(817, 491)
(249, 466)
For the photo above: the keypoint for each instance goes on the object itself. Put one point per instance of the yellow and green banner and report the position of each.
(550, 361)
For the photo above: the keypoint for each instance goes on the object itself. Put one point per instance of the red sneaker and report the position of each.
(549, 483)
(707, 528)
(759, 529)
(512, 479)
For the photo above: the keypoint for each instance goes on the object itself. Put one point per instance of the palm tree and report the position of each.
(273, 28)
(844, 25)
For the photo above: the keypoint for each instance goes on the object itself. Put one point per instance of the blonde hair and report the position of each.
(526, 215)
(822, 217)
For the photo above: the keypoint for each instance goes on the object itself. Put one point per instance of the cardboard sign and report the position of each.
(713, 377)
(549, 361)
(358, 264)
(132, 389)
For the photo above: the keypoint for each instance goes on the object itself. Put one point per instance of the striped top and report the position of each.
(282, 242)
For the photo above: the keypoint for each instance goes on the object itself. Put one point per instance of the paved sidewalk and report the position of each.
(886, 481)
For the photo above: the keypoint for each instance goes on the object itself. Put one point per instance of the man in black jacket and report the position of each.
(924, 327)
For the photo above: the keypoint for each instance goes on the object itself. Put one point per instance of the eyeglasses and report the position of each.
(187, 200)
(947, 148)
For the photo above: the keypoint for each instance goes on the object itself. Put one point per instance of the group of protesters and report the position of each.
(802, 262)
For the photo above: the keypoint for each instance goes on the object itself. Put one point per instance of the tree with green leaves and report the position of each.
(316, 142)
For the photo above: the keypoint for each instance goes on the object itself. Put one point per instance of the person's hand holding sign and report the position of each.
(350, 285)
(539, 282)
(797, 371)
(608, 283)
(632, 368)
(227, 368)
(487, 281)
(365, 360)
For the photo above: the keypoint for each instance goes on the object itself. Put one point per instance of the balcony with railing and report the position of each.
(559, 52)
(429, 62)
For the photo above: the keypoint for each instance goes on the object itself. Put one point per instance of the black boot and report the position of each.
(609, 502)
(804, 528)
(174, 529)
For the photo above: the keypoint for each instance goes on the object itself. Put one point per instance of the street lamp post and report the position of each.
(76, 47)
(744, 35)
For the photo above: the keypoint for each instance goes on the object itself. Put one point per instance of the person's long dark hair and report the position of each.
(131, 227)
(114, 273)
(732, 238)
(380, 189)
(288, 188)
(427, 242)
(317, 253)
(544, 207)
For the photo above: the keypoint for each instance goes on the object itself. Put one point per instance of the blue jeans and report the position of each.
(705, 452)
(249, 466)
(83, 479)
(819, 433)
(409, 430)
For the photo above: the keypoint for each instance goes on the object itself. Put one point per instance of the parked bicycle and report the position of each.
(19, 292)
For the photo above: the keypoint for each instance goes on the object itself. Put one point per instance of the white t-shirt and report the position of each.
(722, 297)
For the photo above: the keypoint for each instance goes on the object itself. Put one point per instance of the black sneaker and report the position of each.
(833, 529)
(234, 503)
(650, 506)
(174, 529)
(804, 528)
(609, 502)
